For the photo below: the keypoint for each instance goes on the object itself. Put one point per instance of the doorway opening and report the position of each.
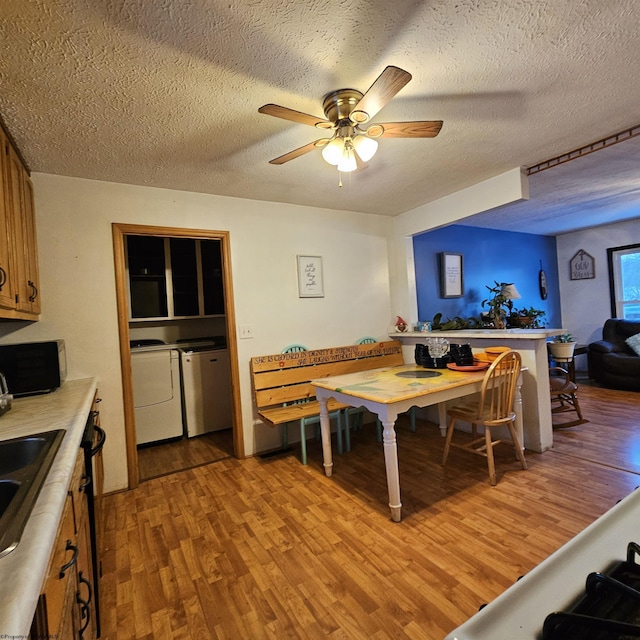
(152, 460)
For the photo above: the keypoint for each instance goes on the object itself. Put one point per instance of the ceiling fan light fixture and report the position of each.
(348, 160)
(365, 147)
(333, 151)
(346, 112)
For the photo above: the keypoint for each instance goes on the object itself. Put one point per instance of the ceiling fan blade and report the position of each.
(387, 84)
(296, 153)
(417, 129)
(295, 116)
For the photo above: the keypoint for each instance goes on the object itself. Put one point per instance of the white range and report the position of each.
(559, 581)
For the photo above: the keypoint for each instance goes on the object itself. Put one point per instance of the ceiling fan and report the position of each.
(347, 111)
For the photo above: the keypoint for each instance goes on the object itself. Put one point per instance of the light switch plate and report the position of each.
(246, 331)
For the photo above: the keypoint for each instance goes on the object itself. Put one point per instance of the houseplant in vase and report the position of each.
(562, 347)
(526, 318)
(499, 304)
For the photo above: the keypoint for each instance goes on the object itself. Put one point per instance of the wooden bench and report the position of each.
(282, 382)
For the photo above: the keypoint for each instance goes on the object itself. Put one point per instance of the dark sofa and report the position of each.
(612, 361)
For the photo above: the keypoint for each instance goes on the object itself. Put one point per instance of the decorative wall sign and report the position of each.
(542, 282)
(582, 266)
(310, 283)
(451, 275)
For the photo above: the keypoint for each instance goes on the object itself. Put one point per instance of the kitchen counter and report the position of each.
(23, 571)
(463, 335)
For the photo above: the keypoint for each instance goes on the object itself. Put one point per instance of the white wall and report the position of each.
(586, 304)
(511, 186)
(73, 218)
(367, 260)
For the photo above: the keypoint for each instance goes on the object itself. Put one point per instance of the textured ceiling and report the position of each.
(596, 189)
(165, 93)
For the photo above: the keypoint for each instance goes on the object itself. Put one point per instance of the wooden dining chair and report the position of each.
(563, 392)
(493, 409)
(294, 348)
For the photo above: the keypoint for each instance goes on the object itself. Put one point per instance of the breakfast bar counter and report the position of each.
(532, 346)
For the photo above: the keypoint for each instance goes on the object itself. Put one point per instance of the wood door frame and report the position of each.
(119, 232)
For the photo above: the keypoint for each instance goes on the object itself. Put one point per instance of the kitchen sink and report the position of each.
(24, 465)
(8, 490)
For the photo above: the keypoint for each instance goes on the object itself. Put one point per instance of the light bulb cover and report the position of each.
(365, 147)
(333, 151)
(348, 161)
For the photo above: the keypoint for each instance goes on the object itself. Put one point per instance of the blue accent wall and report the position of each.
(488, 256)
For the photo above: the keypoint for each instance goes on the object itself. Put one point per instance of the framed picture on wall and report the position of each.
(310, 283)
(582, 266)
(451, 275)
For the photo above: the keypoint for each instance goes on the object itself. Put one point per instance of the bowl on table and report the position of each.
(493, 352)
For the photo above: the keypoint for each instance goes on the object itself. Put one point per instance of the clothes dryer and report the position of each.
(157, 398)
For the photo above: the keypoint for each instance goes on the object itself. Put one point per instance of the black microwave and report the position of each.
(33, 367)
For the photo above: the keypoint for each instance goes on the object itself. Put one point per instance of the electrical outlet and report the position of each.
(246, 331)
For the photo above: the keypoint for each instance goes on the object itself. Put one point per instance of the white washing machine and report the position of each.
(206, 390)
(156, 394)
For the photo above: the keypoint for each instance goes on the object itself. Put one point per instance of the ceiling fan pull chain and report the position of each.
(339, 178)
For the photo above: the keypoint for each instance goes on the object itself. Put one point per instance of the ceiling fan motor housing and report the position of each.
(339, 104)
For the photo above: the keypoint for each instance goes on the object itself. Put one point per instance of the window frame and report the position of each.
(615, 273)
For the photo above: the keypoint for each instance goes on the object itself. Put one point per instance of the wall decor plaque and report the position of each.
(451, 275)
(582, 266)
(310, 280)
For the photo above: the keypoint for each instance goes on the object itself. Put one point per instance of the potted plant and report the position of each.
(499, 305)
(529, 318)
(562, 346)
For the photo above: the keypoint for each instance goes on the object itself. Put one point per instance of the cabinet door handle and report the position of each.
(83, 580)
(34, 295)
(65, 567)
(85, 611)
(83, 485)
(85, 615)
(102, 436)
(3, 277)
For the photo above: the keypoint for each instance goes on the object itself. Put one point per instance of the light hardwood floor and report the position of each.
(268, 548)
(159, 460)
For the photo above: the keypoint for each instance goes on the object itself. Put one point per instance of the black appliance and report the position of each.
(93, 440)
(608, 609)
(31, 368)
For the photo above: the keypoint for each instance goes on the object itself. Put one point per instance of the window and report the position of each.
(624, 279)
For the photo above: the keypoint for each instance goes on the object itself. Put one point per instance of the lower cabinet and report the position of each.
(56, 613)
(67, 608)
(86, 594)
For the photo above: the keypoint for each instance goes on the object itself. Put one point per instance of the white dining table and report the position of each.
(387, 393)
